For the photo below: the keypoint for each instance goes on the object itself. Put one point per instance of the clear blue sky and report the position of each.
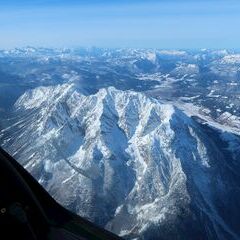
(133, 23)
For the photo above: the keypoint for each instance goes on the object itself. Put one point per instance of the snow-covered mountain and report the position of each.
(132, 164)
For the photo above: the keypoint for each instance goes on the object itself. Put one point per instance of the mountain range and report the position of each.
(138, 166)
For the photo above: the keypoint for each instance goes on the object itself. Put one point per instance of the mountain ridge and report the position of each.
(137, 166)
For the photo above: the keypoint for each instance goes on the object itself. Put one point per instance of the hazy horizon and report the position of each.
(116, 48)
(154, 24)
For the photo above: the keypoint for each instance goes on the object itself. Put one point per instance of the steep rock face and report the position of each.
(138, 167)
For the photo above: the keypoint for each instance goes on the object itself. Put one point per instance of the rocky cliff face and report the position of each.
(134, 165)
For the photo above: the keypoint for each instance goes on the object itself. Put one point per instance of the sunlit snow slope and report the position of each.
(136, 166)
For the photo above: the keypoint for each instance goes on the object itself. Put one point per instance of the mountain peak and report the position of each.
(123, 160)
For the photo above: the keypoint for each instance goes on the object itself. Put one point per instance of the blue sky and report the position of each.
(134, 23)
